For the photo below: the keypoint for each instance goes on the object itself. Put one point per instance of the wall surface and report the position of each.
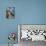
(27, 12)
(31, 11)
(6, 25)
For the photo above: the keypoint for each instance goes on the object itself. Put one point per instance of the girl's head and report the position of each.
(9, 14)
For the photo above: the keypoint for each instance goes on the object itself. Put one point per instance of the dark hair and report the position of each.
(7, 15)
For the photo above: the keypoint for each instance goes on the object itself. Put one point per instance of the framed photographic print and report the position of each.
(10, 12)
